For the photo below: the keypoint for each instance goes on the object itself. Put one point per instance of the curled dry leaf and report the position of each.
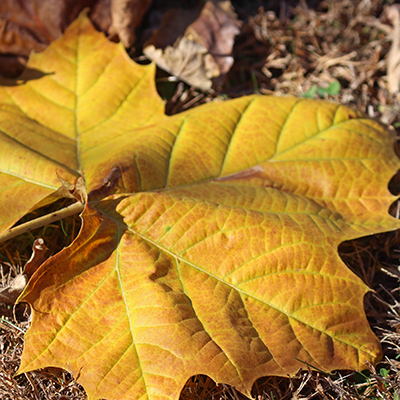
(39, 250)
(27, 25)
(32, 25)
(9, 294)
(216, 28)
(76, 191)
(204, 50)
(187, 60)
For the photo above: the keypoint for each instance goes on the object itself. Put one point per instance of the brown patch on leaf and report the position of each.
(109, 184)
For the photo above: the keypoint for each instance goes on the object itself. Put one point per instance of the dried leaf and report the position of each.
(38, 256)
(215, 29)
(204, 51)
(127, 15)
(9, 294)
(187, 60)
(76, 191)
(34, 24)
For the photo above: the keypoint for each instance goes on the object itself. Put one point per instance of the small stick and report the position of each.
(10, 323)
(42, 221)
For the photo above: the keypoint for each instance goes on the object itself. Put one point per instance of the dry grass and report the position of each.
(289, 51)
(49, 383)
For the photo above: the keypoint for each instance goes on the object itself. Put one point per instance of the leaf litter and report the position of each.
(354, 54)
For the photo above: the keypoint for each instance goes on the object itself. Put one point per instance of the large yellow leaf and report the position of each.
(215, 251)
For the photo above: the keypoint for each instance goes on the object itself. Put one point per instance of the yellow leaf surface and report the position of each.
(209, 245)
(66, 120)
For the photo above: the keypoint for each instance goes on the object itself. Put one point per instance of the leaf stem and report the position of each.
(42, 221)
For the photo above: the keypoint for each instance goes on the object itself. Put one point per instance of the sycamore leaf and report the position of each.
(209, 243)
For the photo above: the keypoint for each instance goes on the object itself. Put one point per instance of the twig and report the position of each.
(2, 320)
(42, 221)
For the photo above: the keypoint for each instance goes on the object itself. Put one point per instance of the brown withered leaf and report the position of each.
(32, 25)
(187, 60)
(76, 191)
(216, 29)
(39, 250)
(127, 15)
(27, 25)
(173, 25)
(10, 293)
(204, 36)
(100, 15)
